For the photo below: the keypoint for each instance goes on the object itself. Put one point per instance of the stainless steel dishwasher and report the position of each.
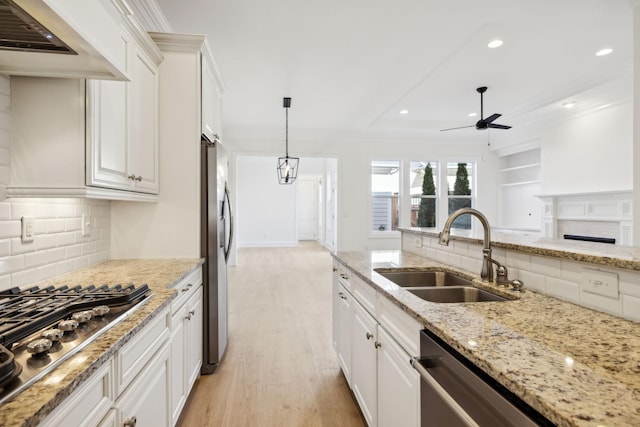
(454, 392)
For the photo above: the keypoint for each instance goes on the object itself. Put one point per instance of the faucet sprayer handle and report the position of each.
(517, 285)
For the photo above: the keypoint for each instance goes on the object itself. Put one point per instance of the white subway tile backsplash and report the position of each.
(518, 260)
(55, 225)
(563, 289)
(602, 303)
(532, 281)
(11, 264)
(547, 266)
(631, 307)
(58, 246)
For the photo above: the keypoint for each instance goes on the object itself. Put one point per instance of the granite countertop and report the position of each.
(626, 257)
(38, 400)
(576, 366)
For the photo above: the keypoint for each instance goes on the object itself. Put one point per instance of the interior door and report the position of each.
(306, 212)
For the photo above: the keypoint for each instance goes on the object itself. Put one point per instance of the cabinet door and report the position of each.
(107, 128)
(178, 371)
(343, 319)
(363, 362)
(147, 399)
(143, 160)
(398, 385)
(194, 338)
(211, 120)
(107, 134)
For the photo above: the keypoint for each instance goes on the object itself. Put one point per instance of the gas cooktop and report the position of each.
(42, 327)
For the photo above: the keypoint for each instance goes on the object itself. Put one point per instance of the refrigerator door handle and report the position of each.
(227, 249)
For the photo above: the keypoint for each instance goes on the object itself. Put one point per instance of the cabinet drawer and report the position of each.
(365, 294)
(400, 325)
(186, 288)
(132, 358)
(88, 404)
(343, 275)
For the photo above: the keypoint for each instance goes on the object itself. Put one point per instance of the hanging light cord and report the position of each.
(286, 134)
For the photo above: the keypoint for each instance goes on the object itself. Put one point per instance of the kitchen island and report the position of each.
(574, 365)
(32, 405)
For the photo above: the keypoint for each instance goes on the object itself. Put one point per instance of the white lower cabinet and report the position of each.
(186, 341)
(364, 341)
(385, 385)
(342, 319)
(398, 385)
(145, 403)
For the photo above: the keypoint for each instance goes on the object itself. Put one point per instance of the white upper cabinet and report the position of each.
(90, 28)
(212, 87)
(122, 127)
(93, 138)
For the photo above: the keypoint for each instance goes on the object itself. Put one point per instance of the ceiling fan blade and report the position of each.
(461, 127)
(492, 118)
(497, 126)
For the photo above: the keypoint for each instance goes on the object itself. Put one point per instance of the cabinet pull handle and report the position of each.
(190, 315)
(139, 178)
(186, 288)
(130, 422)
(131, 177)
(342, 295)
(335, 269)
(344, 276)
(369, 335)
(377, 344)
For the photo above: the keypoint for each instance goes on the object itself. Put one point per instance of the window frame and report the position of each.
(404, 194)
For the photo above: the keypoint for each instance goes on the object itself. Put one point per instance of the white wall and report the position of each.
(354, 158)
(590, 153)
(265, 209)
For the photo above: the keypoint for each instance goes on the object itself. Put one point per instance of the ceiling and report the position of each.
(351, 66)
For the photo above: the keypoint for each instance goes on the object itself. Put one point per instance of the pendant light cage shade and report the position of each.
(287, 166)
(287, 169)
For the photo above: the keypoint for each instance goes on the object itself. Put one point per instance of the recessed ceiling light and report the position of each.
(495, 43)
(604, 52)
(404, 111)
(472, 114)
(569, 104)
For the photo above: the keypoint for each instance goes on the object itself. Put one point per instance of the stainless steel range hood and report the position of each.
(64, 38)
(20, 31)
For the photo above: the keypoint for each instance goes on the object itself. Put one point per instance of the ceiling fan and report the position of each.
(483, 123)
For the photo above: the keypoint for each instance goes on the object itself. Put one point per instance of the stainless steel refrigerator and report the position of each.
(216, 227)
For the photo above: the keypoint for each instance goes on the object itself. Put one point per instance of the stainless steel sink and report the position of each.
(452, 294)
(424, 278)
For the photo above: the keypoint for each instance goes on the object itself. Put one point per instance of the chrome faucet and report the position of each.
(486, 274)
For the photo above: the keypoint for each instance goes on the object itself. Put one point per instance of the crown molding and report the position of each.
(150, 15)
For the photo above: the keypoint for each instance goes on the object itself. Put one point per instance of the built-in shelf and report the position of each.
(513, 184)
(514, 168)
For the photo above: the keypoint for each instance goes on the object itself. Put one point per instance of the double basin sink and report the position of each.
(439, 286)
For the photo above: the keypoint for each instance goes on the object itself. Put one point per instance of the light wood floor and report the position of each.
(280, 368)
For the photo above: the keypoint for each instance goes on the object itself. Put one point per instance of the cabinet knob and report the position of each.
(344, 276)
(139, 178)
(369, 335)
(130, 422)
(131, 177)
(342, 295)
(377, 344)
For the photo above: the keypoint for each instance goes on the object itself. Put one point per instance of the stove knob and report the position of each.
(39, 346)
(68, 325)
(100, 310)
(82, 316)
(53, 334)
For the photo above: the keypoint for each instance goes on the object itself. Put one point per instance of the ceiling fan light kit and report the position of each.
(483, 123)
(287, 166)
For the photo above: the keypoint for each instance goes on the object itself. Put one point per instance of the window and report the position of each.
(424, 199)
(385, 190)
(460, 180)
(420, 193)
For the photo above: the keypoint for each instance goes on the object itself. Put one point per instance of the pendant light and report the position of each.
(287, 166)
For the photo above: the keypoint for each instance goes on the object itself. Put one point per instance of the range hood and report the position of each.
(64, 38)
(20, 31)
